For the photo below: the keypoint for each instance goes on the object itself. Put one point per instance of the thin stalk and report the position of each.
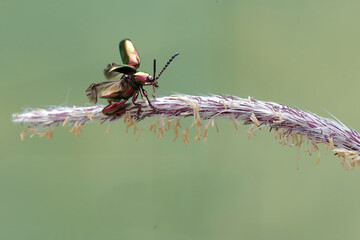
(287, 122)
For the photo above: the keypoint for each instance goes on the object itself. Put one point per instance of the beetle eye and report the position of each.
(150, 78)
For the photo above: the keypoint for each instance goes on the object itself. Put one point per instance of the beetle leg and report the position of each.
(137, 104)
(151, 83)
(135, 97)
(153, 91)
(154, 84)
(114, 108)
(147, 98)
(142, 96)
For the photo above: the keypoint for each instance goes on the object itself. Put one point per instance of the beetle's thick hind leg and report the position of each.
(114, 108)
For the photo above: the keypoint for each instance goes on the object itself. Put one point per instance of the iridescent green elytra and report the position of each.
(124, 81)
(128, 53)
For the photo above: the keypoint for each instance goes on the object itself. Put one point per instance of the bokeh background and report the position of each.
(109, 186)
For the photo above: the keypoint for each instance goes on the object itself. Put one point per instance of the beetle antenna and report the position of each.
(155, 78)
(166, 65)
(154, 68)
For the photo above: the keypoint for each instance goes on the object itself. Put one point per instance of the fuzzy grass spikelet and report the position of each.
(292, 126)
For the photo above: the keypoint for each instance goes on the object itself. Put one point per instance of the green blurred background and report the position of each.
(108, 186)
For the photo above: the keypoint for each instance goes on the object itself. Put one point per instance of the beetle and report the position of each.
(124, 81)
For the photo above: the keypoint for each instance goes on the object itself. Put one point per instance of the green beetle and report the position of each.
(124, 81)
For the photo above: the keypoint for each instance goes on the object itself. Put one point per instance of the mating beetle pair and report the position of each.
(124, 81)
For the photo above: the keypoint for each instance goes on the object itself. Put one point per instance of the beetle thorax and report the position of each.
(142, 77)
